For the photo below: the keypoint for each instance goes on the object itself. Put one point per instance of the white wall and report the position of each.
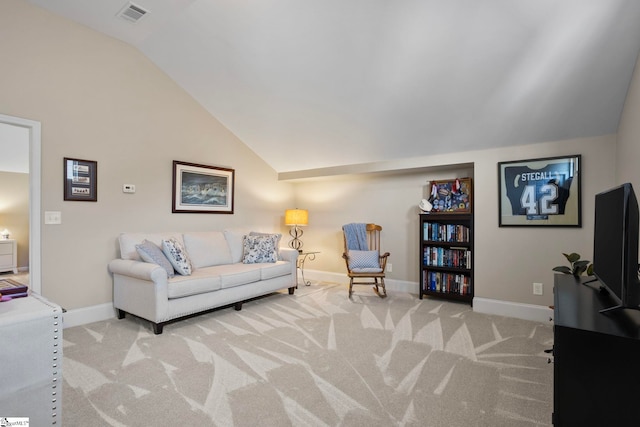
(99, 99)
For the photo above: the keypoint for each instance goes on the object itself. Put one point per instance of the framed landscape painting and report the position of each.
(202, 189)
(540, 192)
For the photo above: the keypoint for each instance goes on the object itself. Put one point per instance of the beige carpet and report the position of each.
(312, 359)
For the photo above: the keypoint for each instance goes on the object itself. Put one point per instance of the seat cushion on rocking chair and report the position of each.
(364, 261)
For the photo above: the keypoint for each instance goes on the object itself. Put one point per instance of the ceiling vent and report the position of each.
(132, 12)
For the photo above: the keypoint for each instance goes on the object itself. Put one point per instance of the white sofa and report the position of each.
(219, 277)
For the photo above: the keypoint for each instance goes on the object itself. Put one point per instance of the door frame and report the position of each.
(35, 164)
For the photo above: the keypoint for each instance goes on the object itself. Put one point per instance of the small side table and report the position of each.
(302, 258)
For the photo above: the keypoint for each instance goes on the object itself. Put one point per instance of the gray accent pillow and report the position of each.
(364, 259)
(177, 256)
(150, 252)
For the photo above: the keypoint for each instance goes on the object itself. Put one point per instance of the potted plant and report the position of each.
(576, 265)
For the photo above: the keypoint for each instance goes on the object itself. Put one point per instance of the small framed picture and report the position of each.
(540, 192)
(80, 180)
(202, 189)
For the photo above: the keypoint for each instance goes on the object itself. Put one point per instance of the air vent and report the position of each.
(132, 12)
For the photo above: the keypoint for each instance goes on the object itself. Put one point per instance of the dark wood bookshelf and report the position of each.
(446, 256)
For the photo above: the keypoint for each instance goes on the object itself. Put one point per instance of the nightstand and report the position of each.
(8, 255)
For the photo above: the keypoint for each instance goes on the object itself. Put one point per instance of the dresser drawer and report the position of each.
(6, 261)
(6, 248)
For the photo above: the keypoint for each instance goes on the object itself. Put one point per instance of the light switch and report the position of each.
(53, 217)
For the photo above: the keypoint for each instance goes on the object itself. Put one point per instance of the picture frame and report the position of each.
(452, 196)
(80, 180)
(544, 192)
(202, 189)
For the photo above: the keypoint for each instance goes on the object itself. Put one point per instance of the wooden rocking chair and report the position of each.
(365, 263)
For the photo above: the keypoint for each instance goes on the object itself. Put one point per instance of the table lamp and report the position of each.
(296, 218)
(5, 234)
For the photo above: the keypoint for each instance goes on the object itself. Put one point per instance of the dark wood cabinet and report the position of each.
(446, 256)
(596, 358)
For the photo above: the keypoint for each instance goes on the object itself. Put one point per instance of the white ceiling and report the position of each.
(321, 83)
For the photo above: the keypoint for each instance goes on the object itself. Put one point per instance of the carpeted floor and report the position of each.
(312, 359)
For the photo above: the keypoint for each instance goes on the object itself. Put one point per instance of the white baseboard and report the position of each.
(390, 284)
(82, 316)
(537, 313)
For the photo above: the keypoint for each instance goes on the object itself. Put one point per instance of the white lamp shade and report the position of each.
(296, 217)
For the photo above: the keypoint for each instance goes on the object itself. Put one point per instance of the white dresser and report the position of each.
(8, 255)
(31, 360)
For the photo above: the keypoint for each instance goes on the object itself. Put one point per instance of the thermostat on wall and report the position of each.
(128, 188)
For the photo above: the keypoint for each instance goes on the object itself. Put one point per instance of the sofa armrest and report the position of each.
(138, 270)
(288, 254)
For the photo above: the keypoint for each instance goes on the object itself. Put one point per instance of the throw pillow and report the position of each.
(258, 249)
(150, 252)
(177, 256)
(235, 239)
(364, 259)
(278, 238)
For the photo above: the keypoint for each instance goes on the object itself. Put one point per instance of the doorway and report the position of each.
(34, 141)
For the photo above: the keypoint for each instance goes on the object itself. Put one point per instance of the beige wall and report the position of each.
(628, 154)
(507, 260)
(14, 211)
(99, 99)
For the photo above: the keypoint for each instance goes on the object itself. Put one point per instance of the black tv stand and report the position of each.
(591, 281)
(596, 369)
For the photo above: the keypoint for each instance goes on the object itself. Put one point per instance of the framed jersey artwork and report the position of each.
(540, 192)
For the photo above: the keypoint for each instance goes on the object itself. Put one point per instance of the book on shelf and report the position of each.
(443, 257)
(12, 288)
(445, 232)
(450, 283)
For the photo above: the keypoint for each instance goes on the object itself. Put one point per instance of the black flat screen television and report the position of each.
(615, 246)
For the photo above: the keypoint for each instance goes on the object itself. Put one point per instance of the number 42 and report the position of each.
(549, 193)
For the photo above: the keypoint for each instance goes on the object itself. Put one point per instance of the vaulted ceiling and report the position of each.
(322, 83)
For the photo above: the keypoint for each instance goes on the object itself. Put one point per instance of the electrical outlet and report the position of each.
(128, 188)
(389, 267)
(537, 288)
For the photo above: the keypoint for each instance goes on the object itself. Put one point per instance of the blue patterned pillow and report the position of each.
(364, 259)
(177, 256)
(258, 249)
(150, 252)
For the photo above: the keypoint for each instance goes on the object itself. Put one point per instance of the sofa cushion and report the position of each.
(150, 252)
(201, 280)
(177, 256)
(280, 268)
(234, 240)
(206, 249)
(128, 242)
(259, 249)
(237, 274)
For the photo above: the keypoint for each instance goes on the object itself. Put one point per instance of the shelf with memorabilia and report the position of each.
(446, 242)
